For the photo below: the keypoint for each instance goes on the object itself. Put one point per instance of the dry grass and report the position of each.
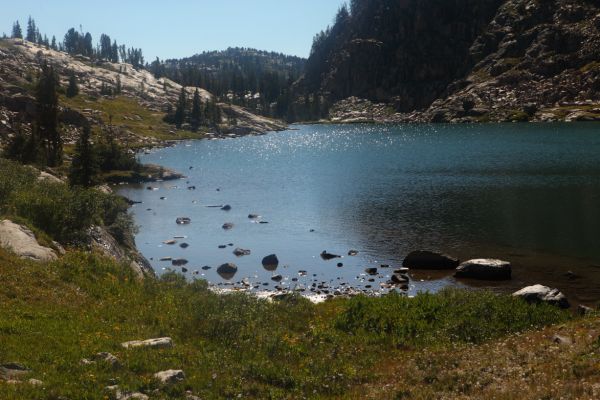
(522, 366)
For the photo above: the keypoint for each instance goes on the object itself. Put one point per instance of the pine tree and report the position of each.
(195, 116)
(88, 47)
(84, 166)
(180, 110)
(73, 89)
(31, 30)
(114, 52)
(47, 116)
(53, 44)
(16, 31)
(105, 47)
(118, 87)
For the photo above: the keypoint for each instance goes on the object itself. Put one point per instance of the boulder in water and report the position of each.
(227, 271)
(328, 256)
(485, 269)
(179, 262)
(241, 252)
(429, 260)
(270, 262)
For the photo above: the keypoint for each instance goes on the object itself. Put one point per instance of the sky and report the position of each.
(181, 28)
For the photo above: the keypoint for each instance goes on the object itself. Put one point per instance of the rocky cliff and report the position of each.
(459, 61)
(147, 98)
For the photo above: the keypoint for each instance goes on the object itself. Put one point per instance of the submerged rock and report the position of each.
(227, 226)
(429, 260)
(179, 262)
(484, 268)
(241, 252)
(183, 220)
(328, 256)
(371, 271)
(226, 207)
(541, 293)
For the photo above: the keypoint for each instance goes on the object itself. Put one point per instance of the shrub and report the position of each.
(63, 213)
(449, 316)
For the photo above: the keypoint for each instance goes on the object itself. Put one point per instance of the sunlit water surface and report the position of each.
(529, 193)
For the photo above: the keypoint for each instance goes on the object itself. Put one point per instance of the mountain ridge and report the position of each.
(457, 61)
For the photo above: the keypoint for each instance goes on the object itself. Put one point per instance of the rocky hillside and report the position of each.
(459, 61)
(137, 110)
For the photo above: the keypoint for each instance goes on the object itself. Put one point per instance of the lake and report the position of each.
(527, 193)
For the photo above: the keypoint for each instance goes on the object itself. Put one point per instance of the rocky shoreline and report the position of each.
(361, 111)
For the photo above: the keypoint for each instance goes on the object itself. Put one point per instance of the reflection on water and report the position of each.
(525, 192)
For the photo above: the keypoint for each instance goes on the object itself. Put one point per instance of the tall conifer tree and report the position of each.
(84, 167)
(17, 33)
(181, 106)
(47, 116)
(195, 117)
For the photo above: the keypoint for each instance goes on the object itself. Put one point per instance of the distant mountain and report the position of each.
(247, 77)
(455, 60)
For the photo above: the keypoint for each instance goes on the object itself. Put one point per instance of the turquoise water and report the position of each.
(527, 191)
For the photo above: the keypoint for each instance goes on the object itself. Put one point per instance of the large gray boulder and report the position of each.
(23, 243)
(429, 260)
(541, 293)
(484, 268)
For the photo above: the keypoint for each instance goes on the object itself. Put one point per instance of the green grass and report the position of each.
(52, 316)
(127, 113)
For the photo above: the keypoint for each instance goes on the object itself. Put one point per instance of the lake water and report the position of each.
(529, 193)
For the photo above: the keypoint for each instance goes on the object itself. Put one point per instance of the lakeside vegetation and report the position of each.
(454, 344)
(54, 315)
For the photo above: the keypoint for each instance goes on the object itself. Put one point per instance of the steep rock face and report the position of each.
(537, 60)
(460, 61)
(405, 52)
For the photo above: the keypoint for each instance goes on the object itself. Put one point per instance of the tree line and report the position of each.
(79, 43)
(196, 114)
(257, 80)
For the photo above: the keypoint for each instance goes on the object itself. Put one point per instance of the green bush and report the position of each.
(449, 316)
(62, 212)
